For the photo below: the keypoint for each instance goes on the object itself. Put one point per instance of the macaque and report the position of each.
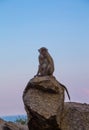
(46, 64)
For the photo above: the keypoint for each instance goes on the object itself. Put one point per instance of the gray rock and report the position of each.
(43, 97)
(75, 117)
(44, 103)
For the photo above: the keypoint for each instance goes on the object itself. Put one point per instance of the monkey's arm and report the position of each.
(38, 67)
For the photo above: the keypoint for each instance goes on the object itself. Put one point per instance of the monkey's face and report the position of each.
(43, 51)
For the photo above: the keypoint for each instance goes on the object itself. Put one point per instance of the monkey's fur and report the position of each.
(46, 64)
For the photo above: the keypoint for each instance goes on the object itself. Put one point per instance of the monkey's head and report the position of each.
(43, 50)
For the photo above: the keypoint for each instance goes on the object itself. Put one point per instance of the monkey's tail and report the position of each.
(66, 90)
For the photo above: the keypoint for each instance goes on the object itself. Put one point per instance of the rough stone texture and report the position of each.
(44, 103)
(11, 126)
(75, 117)
(43, 97)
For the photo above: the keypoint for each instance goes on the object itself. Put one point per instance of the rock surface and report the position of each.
(44, 103)
(43, 97)
(11, 126)
(75, 117)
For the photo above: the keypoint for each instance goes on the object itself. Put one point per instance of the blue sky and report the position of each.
(26, 25)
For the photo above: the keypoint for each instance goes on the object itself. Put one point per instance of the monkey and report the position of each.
(46, 63)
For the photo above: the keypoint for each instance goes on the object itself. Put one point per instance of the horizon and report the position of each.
(13, 118)
(25, 26)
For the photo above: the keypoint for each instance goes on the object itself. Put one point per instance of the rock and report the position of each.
(75, 117)
(44, 103)
(8, 125)
(1, 124)
(43, 97)
(11, 126)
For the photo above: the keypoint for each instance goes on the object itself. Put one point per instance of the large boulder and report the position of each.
(44, 103)
(43, 99)
(75, 116)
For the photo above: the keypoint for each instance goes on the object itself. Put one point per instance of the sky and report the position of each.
(26, 25)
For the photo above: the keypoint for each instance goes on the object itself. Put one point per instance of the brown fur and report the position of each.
(46, 64)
